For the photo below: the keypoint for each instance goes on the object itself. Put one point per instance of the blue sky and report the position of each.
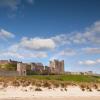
(43, 30)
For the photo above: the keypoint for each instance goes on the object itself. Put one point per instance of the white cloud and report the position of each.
(12, 4)
(98, 60)
(89, 62)
(14, 48)
(61, 39)
(11, 54)
(91, 50)
(37, 44)
(23, 55)
(30, 48)
(68, 52)
(62, 54)
(77, 38)
(5, 34)
(91, 35)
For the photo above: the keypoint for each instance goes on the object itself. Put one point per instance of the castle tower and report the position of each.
(57, 67)
(21, 69)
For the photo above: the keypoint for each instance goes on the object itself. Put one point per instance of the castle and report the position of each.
(15, 68)
(57, 66)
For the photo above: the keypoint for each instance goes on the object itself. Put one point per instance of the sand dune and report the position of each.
(29, 92)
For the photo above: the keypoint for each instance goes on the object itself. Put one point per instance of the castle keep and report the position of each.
(57, 66)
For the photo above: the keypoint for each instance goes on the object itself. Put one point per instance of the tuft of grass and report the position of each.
(82, 89)
(38, 89)
(98, 90)
(25, 83)
(65, 89)
(15, 83)
(95, 86)
(46, 84)
(90, 90)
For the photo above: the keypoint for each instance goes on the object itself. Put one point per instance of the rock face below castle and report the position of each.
(8, 68)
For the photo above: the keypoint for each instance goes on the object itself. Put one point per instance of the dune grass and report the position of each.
(53, 81)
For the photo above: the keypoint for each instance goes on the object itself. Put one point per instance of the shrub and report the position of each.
(95, 86)
(65, 89)
(83, 89)
(38, 89)
(98, 90)
(26, 83)
(15, 83)
(90, 90)
(46, 84)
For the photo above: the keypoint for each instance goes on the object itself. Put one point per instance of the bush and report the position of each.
(90, 90)
(15, 83)
(83, 89)
(98, 90)
(46, 84)
(65, 89)
(26, 83)
(38, 89)
(95, 86)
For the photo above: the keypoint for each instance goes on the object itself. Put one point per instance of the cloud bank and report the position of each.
(89, 62)
(5, 34)
(90, 38)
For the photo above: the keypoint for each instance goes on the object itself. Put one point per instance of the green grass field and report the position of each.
(63, 78)
(69, 78)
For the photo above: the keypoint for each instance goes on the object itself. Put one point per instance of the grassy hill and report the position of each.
(8, 66)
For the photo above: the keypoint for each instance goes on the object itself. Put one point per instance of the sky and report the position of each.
(43, 30)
